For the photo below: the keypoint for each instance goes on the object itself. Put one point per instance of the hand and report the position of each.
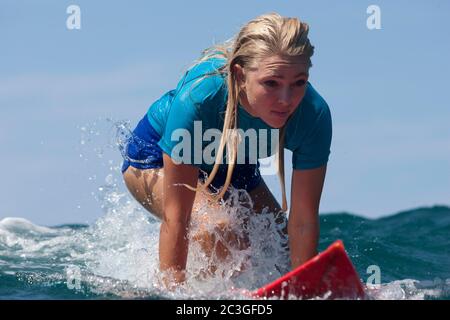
(172, 279)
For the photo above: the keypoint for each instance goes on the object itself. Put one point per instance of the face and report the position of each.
(273, 90)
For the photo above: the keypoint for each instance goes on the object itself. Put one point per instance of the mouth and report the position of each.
(281, 115)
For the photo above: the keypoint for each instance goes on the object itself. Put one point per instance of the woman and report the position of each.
(257, 80)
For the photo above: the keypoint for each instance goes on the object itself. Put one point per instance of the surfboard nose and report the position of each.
(329, 275)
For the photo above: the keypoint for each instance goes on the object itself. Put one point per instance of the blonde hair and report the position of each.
(266, 35)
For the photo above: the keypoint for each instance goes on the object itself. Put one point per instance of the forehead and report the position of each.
(282, 66)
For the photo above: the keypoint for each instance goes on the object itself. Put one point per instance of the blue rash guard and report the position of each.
(308, 130)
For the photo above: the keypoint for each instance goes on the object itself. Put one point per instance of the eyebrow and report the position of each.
(281, 77)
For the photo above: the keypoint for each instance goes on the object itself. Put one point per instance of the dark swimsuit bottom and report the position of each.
(143, 152)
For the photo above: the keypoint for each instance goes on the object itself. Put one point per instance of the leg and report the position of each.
(146, 186)
(262, 197)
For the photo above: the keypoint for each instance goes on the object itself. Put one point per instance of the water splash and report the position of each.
(117, 256)
(125, 138)
(410, 289)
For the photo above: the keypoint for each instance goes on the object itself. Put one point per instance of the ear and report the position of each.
(239, 74)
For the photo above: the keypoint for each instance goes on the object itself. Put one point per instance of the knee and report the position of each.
(221, 239)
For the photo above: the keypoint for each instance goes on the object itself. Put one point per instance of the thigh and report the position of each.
(146, 186)
(262, 198)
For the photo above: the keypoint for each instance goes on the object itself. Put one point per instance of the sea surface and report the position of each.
(402, 256)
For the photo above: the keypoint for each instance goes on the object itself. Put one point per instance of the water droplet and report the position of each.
(109, 179)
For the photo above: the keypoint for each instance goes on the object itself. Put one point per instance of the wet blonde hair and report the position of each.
(266, 35)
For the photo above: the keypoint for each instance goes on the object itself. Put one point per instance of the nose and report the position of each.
(285, 96)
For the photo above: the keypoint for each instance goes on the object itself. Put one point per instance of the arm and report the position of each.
(303, 223)
(178, 202)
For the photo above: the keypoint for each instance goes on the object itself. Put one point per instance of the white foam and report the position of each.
(410, 289)
(22, 236)
(123, 245)
(21, 225)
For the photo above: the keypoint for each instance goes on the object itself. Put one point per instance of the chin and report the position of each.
(277, 124)
(276, 121)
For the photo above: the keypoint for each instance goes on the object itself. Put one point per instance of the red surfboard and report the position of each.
(329, 275)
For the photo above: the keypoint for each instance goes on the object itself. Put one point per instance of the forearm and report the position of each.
(173, 249)
(303, 223)
(303, 240)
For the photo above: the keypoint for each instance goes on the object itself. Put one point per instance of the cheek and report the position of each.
(264, 97)
(258, 96)
(299, 95)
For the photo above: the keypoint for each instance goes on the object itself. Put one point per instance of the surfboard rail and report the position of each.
(329, 275)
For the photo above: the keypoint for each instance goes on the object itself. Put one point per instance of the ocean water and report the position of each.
(117, 256)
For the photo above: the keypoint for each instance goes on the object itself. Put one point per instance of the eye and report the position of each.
(300, 83)
(271, 83)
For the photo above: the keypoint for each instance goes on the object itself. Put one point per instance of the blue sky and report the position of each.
(386, 89)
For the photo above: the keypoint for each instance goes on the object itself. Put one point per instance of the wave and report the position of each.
(116, 257)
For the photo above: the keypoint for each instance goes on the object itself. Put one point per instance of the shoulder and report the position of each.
(312, 115)
(313, 105)
(312, 108)
(204, 67)
(311, 132)
(202, 82)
